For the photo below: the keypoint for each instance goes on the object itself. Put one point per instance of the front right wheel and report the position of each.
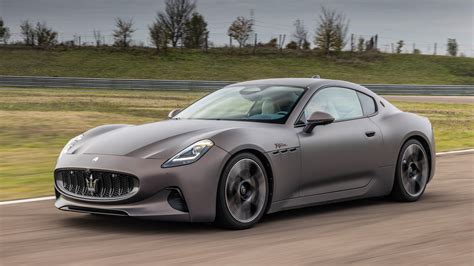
(243, 192)
(413, 170)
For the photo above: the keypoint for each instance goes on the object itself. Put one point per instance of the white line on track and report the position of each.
(26, 200)
(454, 152)
(52, 197)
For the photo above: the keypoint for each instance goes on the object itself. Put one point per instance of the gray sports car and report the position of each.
(248, 149)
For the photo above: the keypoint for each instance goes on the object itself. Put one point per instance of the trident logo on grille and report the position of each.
(91, 184)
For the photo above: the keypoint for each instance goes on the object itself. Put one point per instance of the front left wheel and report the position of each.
(243, 192)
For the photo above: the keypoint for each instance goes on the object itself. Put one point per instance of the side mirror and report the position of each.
(317, 119)
(173, 113)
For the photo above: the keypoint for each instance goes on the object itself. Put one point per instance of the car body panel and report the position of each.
(338, 156)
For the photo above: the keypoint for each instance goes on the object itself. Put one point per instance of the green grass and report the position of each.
(453, 123)
(35, 124)
(235, 64)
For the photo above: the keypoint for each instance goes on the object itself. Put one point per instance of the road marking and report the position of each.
(454, 152)
(26, 200)
(53, 197)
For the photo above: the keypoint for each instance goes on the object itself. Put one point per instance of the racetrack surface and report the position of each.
(437, 229)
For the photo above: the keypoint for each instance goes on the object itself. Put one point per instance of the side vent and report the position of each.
(284, 151)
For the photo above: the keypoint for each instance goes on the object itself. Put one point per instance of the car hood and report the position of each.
(155, 140)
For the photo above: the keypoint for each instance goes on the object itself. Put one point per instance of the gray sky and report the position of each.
(422, 22)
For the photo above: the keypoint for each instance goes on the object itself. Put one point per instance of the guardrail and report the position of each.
(151, 84)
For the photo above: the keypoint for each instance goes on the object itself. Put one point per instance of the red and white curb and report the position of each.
(52, 197)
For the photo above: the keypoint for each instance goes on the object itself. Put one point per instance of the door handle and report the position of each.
(370, 133)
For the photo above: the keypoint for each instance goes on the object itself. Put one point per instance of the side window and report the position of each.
(341, 103)
(368, 103)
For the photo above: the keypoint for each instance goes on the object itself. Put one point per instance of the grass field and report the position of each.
(35, 124)
(235, 64)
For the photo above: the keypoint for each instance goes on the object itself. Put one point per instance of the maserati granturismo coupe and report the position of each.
(249, 149)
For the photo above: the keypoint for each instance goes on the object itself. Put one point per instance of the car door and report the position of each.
(338, 156)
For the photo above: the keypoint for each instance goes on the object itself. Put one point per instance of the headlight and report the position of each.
(190, 154)
(71, 143)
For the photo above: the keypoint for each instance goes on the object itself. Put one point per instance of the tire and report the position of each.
(243, 192)
(412, 172)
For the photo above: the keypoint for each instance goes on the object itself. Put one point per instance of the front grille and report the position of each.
(96, 184)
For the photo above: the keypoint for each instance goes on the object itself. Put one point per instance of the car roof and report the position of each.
(312, 83)
(298, 82)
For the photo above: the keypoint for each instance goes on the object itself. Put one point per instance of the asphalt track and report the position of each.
(438, 229)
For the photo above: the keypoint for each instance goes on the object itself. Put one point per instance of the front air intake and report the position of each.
(93, 184)
(176, 200)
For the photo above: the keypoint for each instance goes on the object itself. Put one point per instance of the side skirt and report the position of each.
(377, 187)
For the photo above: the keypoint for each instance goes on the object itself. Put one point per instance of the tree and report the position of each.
(353, 47)
(370, 44)
(195, 31)
(331, 31)
(400, 44)
(292, 45)
(28, 33)
(306, 45)
(159, 35)
(452, 47)
(45, 36)
(98, 38)
(360, 45)
(240, 30)
(4, 32)
(300, 35)
(177, 13)
(272, 43)
(123, 32)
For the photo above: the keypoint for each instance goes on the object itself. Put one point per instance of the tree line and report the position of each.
(180, 25)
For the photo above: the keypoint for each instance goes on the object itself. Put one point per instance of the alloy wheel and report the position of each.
(245, 190)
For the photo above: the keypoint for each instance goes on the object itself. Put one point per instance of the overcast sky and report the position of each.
(422, 22)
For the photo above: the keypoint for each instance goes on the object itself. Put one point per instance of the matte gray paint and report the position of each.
(335, 162)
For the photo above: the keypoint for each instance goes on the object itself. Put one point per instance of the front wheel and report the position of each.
(412, 172)
(243, 192)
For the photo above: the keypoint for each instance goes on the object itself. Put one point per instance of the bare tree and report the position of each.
(28, 32)
(331, 31)
(98, 37)
(4, 32)
(452, 47)
(45, 36)
(123, 32)
(301, 34)
(159, 35)
(177, 13)
(240, 30)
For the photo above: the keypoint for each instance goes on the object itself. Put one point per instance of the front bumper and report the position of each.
(197, 182)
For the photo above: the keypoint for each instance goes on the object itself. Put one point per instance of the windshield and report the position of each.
(246, 103)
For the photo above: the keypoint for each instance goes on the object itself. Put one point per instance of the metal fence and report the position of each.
(151, 84)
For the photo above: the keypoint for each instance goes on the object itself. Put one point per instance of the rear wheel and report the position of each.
(243, 192)
(412, 172)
